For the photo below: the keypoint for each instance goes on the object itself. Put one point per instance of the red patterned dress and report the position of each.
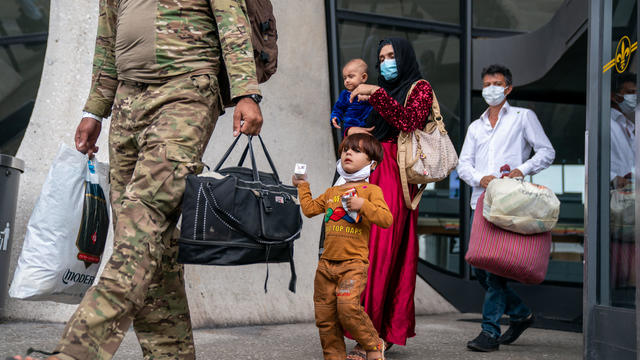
(393, 252)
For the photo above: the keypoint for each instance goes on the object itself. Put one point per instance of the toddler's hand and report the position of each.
(334, 121)
(295, 181)
(354, 203)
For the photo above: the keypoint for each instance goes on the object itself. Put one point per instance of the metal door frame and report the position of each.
(609, 332)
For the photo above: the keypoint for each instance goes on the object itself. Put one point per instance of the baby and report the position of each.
(349, 210)
(344, 112)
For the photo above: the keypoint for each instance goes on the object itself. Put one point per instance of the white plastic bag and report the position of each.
(622, 216)
(48, 267)
(520, 206)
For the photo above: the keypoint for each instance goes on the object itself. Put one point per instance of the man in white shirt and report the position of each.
(622, 169)
(503, 135)
(623, 104)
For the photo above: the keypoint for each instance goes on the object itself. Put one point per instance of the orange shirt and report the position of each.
(344, 238)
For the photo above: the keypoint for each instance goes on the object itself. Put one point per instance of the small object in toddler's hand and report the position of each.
(300, 171)
(352, 213)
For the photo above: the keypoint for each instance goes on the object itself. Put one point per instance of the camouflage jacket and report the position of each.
(153, 41)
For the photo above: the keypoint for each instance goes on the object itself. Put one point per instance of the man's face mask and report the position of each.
(388, 69)
(493, 94)
(628, 104)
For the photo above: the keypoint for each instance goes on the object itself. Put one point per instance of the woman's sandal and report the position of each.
(31, 351)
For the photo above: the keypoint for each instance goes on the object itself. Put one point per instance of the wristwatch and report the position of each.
(255, 97)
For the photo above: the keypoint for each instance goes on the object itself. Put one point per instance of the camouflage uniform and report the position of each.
(164, 111)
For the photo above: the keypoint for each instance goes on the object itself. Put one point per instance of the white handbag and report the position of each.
(425, 156)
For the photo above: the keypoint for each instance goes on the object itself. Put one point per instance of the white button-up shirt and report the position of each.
(486, 149)
(622, 145)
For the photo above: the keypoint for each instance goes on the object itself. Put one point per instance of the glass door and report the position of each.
(610, 219)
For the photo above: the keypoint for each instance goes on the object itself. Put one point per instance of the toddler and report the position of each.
(349, 210)
(354, 113)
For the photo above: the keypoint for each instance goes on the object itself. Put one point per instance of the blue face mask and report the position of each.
(388, 69)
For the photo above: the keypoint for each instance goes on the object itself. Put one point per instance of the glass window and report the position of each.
(431, 10)
(439, 59)
(522, 15)
(622, 123)
(20, 66)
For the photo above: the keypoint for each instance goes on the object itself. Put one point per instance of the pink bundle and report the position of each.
(524, 258)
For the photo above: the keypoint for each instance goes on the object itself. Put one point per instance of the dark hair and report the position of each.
(365, 143)
(617, 80)
(498, 69)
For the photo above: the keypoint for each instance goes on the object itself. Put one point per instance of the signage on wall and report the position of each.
(4, 237)
(622, 55)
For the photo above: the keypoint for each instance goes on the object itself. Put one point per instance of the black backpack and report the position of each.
(264, 36)
(239, 216)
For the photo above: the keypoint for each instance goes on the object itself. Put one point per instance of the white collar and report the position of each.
(620, 118)
(504, 109)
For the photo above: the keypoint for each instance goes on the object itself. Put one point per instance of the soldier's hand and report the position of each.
(247, 118)
(87, 134)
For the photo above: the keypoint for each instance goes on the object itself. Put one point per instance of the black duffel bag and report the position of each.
(239, 216)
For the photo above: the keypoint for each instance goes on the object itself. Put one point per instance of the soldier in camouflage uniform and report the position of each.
(155, 71)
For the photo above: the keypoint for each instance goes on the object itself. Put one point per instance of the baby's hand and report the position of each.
(334, 121)
(354, 203)
(295, 181)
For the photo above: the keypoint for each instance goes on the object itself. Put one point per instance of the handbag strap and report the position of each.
(409, 203)
(404, 137)
(435, 114)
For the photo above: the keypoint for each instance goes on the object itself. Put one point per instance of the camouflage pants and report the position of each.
(158, 135)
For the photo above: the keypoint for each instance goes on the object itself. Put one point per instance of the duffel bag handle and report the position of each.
(226, 154)
(249, 149)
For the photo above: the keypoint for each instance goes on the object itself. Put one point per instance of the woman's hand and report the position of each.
(356, 129)
(363, 91)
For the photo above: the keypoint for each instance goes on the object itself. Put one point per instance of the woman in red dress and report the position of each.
(393, 252)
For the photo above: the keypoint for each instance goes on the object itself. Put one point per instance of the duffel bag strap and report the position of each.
(292, 266)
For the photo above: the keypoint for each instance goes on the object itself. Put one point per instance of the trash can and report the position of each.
(10, 170)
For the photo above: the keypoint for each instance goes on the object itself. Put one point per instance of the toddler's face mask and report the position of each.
(389, 69)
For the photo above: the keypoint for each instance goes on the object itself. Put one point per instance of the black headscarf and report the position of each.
(408, 73)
